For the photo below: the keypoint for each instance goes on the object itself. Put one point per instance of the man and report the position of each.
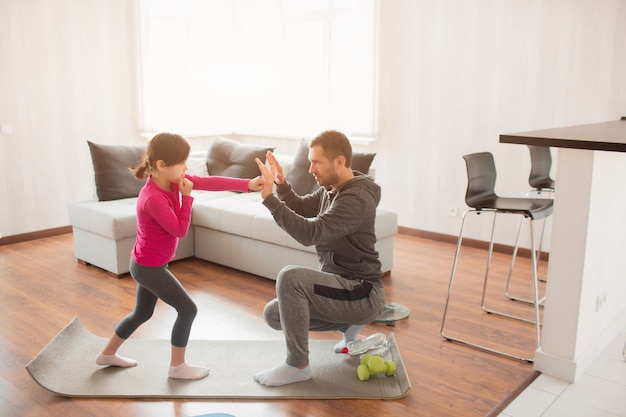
(347, 292)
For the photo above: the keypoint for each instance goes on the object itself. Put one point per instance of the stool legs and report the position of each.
(535, 301)
(514, 257)
(540, 192)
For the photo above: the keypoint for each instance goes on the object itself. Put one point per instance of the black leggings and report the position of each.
(155, 283)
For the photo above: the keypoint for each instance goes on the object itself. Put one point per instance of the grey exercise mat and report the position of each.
(66, 366)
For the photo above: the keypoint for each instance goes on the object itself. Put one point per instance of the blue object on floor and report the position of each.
(216, 415)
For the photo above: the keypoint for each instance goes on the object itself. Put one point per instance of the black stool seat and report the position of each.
(535, 208)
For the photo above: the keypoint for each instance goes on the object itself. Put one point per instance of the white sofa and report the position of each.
(228, 228)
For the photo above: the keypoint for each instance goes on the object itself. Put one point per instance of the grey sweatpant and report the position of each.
(312, 300)
(154, 283)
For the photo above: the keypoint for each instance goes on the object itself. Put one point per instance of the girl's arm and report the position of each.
(217, 183)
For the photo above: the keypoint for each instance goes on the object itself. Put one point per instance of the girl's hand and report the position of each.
(185, 186)
(256, 184)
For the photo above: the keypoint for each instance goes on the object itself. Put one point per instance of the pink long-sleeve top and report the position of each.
(164, 216)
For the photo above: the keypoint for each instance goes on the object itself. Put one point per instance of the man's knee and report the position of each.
(271, 314)
(287, 278)
(288, 272)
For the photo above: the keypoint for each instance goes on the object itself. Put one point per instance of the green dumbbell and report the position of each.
(373, 365)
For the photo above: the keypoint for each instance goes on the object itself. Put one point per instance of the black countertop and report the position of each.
(605, 136)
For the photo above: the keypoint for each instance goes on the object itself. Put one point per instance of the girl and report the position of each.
(163, 216)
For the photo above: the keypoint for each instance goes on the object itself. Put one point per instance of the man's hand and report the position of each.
(268, 179)
(256, 184)
(277, 170)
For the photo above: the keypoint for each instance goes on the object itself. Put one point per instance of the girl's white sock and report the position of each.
(115, 360)
(186, 371)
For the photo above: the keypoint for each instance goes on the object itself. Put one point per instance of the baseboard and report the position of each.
(571, 369)
(479, 244)
(424, 234)
(24, 237)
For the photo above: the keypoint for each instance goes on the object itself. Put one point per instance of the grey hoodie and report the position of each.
(340, 223)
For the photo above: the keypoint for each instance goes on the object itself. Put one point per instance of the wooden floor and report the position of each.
(42, 288)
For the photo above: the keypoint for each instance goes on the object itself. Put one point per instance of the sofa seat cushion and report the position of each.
(245, 215)
(117, 219)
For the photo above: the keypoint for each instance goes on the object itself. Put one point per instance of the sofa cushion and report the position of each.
(114, 219)
(299, 177)
(110, 165)
(242, 215)
(229, 158)
(362, 161)
(117, 219)
(246, 216)
(303, 182)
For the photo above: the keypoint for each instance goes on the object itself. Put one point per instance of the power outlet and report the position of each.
(6, 129)
(600, 301)
(452, 210)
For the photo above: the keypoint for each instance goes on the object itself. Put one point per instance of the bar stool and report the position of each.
(541, 185)
(539, 178)
(540, 166)
(481, 198)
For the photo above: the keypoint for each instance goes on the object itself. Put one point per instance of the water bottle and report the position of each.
(359, 346)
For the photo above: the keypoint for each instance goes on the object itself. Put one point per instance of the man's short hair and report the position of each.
(334, 144)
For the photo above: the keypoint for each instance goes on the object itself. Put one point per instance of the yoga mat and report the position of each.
(66, 366)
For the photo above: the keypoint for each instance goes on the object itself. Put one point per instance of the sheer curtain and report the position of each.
(274, 67)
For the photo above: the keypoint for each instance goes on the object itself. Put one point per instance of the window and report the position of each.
(279, 67)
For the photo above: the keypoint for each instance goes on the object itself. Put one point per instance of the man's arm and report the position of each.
(307, 206)
(341, 219)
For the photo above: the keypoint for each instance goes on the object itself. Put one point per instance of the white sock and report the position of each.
(186, 371)
(282, 375)
(115, 360)
(348, 336)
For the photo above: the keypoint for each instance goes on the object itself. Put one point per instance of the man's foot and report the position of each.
(115, 360)
(348, 336)
(282, 375)
(186, 371)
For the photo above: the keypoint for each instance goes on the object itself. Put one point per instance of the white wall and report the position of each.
(456, 74)
(453, 76)
(67, 74)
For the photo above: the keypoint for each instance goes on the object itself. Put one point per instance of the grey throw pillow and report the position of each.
(110, 165)
(302, 182)
(229, 158)
(362, 161)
